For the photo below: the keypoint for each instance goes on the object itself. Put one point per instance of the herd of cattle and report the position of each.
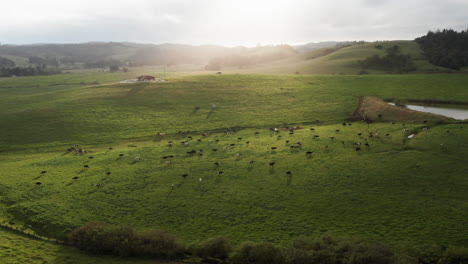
(362, 139)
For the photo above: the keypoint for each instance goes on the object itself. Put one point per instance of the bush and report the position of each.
(124, 241)
(331, 251)
(218, 247)
(261, 253)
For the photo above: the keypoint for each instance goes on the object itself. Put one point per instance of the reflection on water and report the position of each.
(455, 113)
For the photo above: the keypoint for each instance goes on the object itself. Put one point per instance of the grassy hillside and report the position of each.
(344, 61)
(397, 190)
(65, 114)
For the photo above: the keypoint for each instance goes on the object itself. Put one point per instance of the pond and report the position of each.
(455, 113)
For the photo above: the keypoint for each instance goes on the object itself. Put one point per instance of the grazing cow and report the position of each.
(247, 142)
(387, 134)
(185, 175)
(332, 138)
(169, 162)
(238, 155)
(111, 148)
(272, 164)
(232, 145)
(108, 173)
(344, 124)
(251, 162)
(359, 134)
(273, 148)
(200, 180)
(288, 173)
(213, 106)
(239, 138)
(197, 107)
(315, 136)
(337, 130)
(215, 150)
(350, 124)
(312, 129)
(169, 145)
(217, 140)
(425, 128)
(425, 121)
(367, 144)
(38, 183)
(204, 134)
(357, 149)
(225, 148)
(161, 134)
(308, 153)
(200, 154)
(137, 158)
(219, 172)
(287, 141)
(170, 142)
(405, 130)
(279, 136)
(198, 140)
(256, 133)
(90, 157)
(172, 186)
(75, 178)
(189, 137)
(216, 164)
(86, 166)
(191, 152)
(97, 185)
(42, 172)
(121, 155)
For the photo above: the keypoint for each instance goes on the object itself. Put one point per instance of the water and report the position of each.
(455, 113)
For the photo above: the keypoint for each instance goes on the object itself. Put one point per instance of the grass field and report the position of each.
(401, 191)
(344, 61)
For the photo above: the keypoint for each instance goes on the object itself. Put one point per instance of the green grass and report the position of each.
(401, 191)
(344, 61)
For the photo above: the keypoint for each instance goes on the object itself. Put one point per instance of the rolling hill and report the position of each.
(344, 60)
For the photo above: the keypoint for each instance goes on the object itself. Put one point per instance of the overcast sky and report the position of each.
(225, 22)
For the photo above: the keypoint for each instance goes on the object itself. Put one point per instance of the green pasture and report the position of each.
(401, 191)
(344, 60)
(58, 115)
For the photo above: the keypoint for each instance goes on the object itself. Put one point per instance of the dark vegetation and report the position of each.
(100, 238)
(446, 48)
(393, 61)
(4, 62)
(28, 71)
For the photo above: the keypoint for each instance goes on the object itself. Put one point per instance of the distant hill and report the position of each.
(345, 60)
(311, 58)
(105, 54)
(324, 45)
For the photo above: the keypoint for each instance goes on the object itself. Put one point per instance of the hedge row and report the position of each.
(124, 241)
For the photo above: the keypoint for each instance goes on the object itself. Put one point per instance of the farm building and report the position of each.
(145, 78)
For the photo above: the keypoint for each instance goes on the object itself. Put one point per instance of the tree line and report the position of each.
(447, 48)
(393, 61)
(27, 71)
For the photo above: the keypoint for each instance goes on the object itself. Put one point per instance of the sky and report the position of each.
(225, 22)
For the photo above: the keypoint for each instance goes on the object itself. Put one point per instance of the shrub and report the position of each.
(261, 253)
(124, 241)
(218, 247)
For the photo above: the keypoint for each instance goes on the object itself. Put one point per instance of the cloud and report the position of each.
(224, 21)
